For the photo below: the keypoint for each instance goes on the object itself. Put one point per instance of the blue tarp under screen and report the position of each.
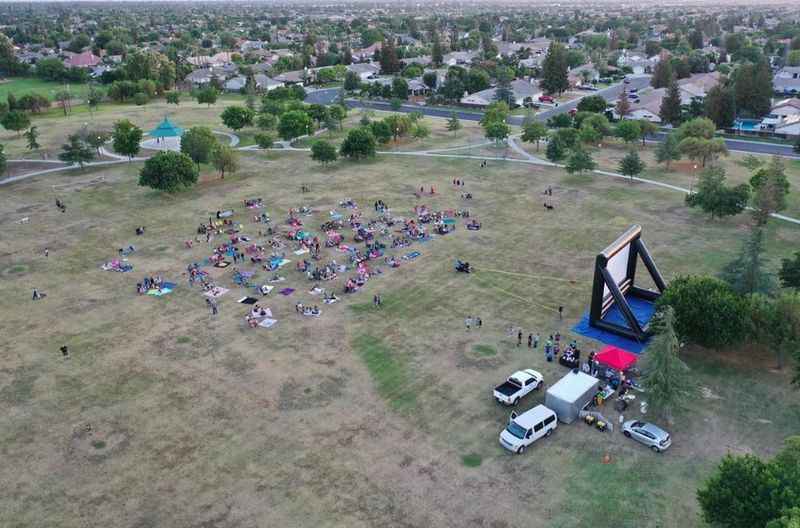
(643, 311)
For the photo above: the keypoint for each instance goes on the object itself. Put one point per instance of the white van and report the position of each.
(528, 427)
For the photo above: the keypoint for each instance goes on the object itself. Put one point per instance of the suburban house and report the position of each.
(783, 113)
(365, 54)
(585, 73)
(302, 77)
(209, 61)
(85, 59)
(263, 83)
(524, 92)
(459, 57)
(637, 63)
(365, 70)
(236, 84)
(648, 107)
(787, 80)
(697, 86)
(200, 78)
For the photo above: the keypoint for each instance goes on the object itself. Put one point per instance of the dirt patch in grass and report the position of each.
(97, 443)
(310, 393)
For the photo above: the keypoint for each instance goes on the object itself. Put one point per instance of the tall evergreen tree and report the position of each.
(554, 69)
(753, 89)
(437, 55)
(631, 165)
(663, 75)
(667, 379)
(670, 112)
(668, 150)
(746, 273)
(720, 106)
(770, 189)
(390, 64)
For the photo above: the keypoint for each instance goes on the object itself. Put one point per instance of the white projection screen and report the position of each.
(618, 268)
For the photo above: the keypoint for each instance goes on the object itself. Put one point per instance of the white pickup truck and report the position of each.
(518, 385)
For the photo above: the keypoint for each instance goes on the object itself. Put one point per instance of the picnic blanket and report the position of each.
(286, 291)
(116, 265)
(166, 287)
(301, 251)
(412, 255)
(264, 289)
(267, 323)
(222, 264)
(216, 291)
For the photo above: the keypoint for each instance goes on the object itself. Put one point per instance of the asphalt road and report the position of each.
(329, 96)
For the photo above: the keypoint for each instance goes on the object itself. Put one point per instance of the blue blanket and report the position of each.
(643, 311)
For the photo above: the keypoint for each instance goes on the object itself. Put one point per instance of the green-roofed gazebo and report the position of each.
(166, 129)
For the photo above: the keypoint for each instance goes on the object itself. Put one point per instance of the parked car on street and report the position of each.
(524, 429)
(546, 99)
(649, 434)
(517, 386)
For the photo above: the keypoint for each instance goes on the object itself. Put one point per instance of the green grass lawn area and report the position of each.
(24, 85)
(364, 417)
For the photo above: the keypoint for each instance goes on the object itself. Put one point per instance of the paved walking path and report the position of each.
(442, 153)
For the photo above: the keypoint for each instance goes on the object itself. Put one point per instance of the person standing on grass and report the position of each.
(46, 252)
(530, 340)
(560, 313)
(536, 340)
(478, 322)
(519, 338)
(65, 352)
(468, 322)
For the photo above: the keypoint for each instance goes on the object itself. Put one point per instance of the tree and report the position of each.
(496, 130)
(737, 494)
(579, 160)
(198, 143)
(696, 39)
(266, 121)
(76, 151)
(95, 138)
(703, 150)
(752, 86)
(32, 135)
(771, 188)
(623, 105)
(207, 96)
(699, 127)
(647, 129)
(534, 132)
(358, 144)
(713, 197)
(559, 121)
(720, 106)
(16, 120)
(294, 124)
(338, 112)
(453, 124)
(629, 131)
(420, 130)
(352, 81)
(263, 140)
(746, 273)
(592, 103)
(631, 165)
(382, 131)
(323, 152)
(168, 171)
(663, 75)
(400, 88)
(390, 64)
(173, 97)
(668, 150)
(126, 138)
(666, 378)
(497, 111)
(437, 55)
(237, 117)
(93, 98)
(790, 272)
(707, 311)
(555, 151)
(554, 69)
(670, 111)
(224, 159)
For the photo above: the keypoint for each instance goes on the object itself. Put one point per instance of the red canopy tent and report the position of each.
(616, 358)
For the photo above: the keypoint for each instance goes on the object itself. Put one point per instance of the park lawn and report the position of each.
(20, 86)
(683, 173)
(364, 417)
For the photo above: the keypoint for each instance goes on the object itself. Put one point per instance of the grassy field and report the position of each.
(364, 417)
(25, 85)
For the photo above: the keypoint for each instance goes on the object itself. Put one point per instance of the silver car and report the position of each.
(650, 435)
